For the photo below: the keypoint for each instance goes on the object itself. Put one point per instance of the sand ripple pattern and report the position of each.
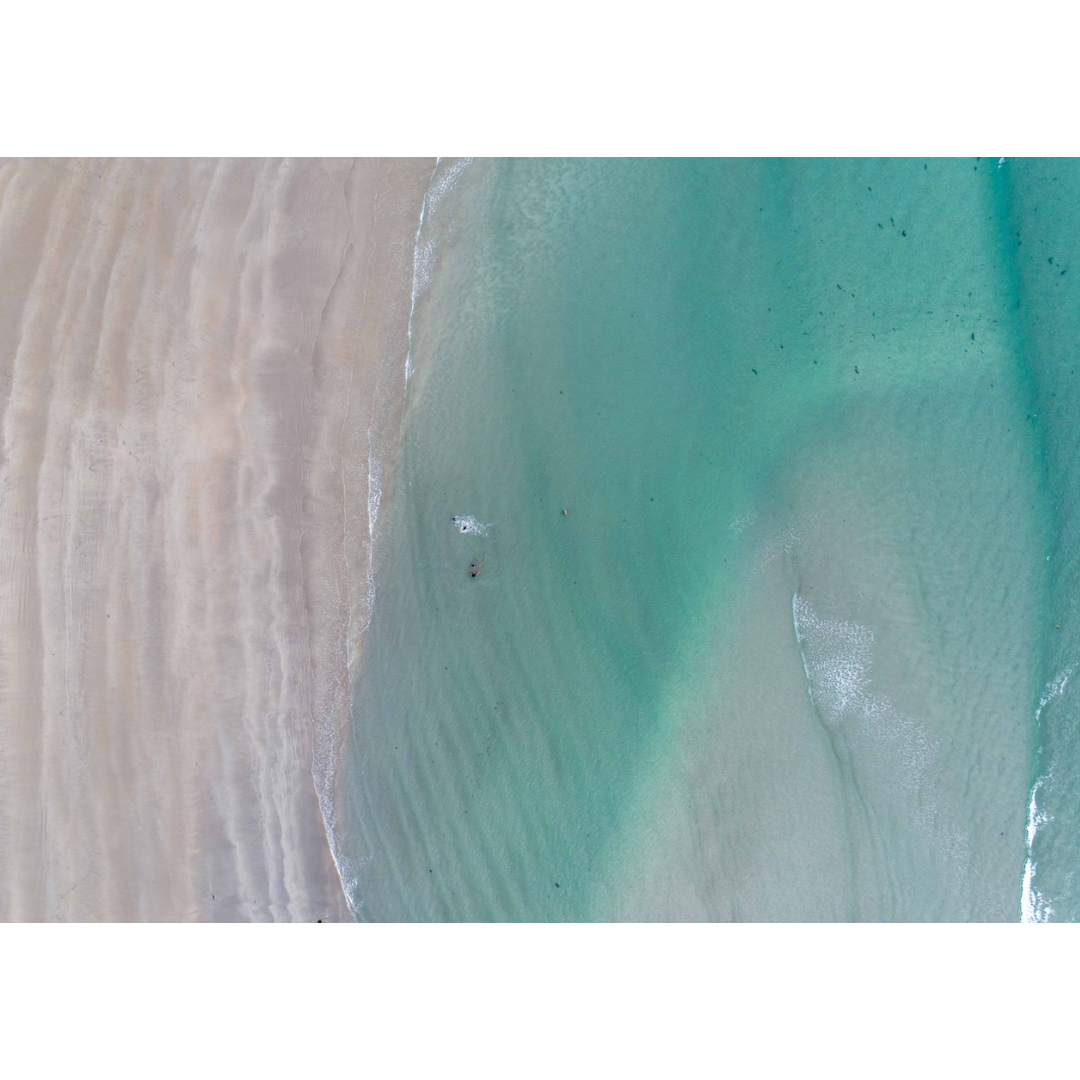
(190, 353)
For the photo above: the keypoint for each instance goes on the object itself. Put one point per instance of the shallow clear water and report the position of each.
(782, 658)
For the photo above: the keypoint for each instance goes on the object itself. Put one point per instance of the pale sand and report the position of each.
(190, 359)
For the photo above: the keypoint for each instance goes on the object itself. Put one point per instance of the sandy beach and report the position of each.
(192, 356)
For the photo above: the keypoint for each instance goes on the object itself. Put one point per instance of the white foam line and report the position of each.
(1054, 689)
(1034, 906)
(424, 251)
(374, 487)
(1033, 813)
(416, 271)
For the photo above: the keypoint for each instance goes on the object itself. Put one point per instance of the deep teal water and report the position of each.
(813, 424)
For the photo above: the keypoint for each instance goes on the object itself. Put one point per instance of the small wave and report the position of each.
(1054, 689)
(1034, 905)
(374, 487)
(424, 246)
(1035, 817)
(470, 525)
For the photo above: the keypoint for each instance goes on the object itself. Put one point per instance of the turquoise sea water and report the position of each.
(800, 647)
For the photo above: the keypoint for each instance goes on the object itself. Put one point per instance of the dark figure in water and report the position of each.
(474, 570)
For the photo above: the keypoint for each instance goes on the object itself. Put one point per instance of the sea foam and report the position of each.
(1034, 906)
(426, 244)
(837, 657)
(470, 526)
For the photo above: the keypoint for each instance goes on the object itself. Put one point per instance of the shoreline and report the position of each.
(368, 430)
(192, 357)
